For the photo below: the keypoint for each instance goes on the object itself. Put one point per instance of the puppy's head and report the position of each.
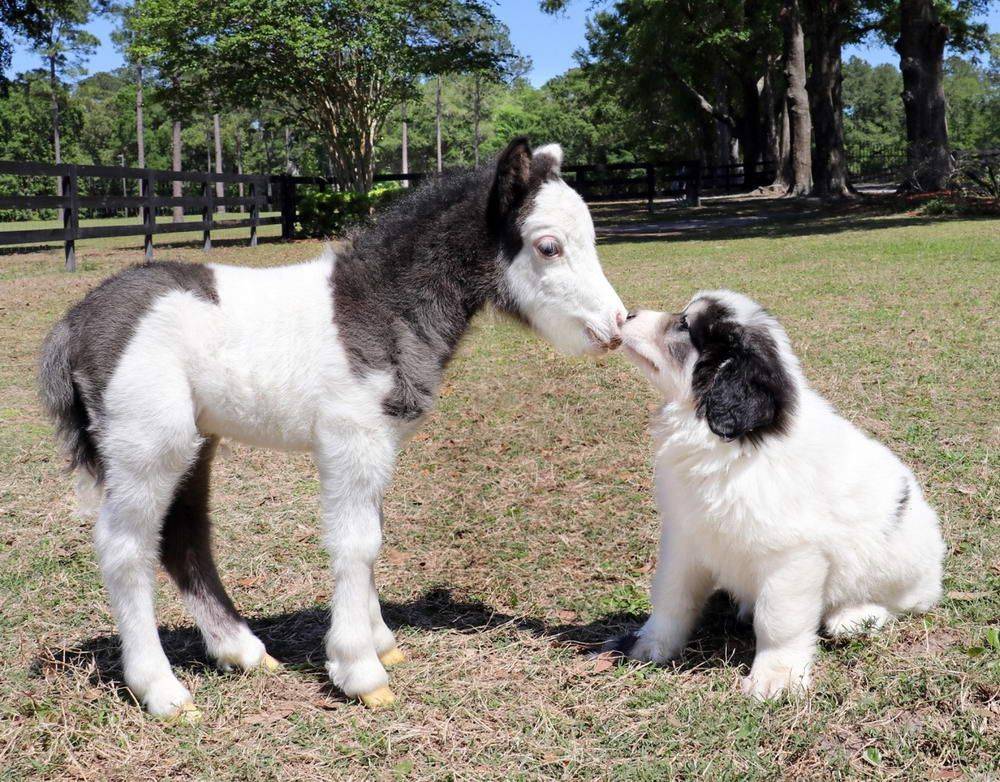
(725, 356)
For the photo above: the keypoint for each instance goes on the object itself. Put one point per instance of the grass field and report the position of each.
(520, 530)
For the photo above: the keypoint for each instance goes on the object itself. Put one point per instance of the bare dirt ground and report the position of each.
(520, 532)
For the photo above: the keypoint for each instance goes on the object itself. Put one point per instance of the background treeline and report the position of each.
(348, 88)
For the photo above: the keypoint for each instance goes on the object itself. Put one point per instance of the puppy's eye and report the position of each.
(548, 247)
(682, 324)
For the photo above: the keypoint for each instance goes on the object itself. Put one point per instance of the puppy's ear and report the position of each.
(510, 183)
(740, 386)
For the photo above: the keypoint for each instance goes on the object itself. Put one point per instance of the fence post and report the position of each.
(206, 214)
(651, 185)
(287, 207)
(148, 211)
(254, 213)
(71, 216)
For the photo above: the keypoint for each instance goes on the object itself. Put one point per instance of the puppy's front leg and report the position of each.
(786, 621)
(680, 588)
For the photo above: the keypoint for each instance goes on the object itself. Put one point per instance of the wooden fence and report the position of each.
(279, 193)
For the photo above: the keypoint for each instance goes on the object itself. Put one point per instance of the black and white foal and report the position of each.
(340, 356)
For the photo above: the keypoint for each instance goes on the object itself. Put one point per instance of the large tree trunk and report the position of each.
(406, 146)
(799, 171)
(437, 125)
(770, 103)
(140, 126)
(56, 144)
(220, 188)
(825, 81)
(921, 59)
(748, 129)
(176, 189)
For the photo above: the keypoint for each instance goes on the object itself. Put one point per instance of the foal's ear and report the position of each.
(510, 184)
(742, 390)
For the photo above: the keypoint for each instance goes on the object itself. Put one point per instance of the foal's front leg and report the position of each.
(355, 467)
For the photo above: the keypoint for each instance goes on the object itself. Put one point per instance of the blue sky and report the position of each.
(549, 41)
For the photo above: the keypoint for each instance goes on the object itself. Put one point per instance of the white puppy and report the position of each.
(766, 492)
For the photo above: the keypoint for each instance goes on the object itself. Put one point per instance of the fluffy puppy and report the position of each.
(766, 492)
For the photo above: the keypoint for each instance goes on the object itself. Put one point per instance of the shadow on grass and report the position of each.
(296, 638)
(759, 218)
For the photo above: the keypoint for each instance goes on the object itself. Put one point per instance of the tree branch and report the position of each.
(702, 102)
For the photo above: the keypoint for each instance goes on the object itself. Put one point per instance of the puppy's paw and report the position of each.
(771, 679)
(647, 646)
(856, 620)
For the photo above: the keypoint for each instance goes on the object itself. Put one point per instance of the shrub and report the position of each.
(331, 213)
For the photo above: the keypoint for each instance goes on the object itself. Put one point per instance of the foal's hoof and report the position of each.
(392, 657)
(269, 664)
(186, 713)
(376, 699)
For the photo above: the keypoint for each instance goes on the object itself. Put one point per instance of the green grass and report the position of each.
(521, 528)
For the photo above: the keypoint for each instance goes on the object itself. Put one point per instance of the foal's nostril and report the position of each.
(619, 318)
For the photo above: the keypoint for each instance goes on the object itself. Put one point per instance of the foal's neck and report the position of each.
(405, 292)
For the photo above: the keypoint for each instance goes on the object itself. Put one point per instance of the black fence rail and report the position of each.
(88, 189)
(874, 163)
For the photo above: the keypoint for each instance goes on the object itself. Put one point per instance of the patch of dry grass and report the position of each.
(520, 529)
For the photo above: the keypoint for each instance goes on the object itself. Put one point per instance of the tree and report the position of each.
(56, 34)
(922, 37)
(873, 106)
(339, 66)
(796, 175)
(712, 59)
(973, 94)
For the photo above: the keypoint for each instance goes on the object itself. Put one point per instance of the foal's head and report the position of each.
(552, 277)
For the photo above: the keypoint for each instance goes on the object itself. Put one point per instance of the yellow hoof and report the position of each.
(378, 698)
(269, 664)
(393, 657)
(187, 712)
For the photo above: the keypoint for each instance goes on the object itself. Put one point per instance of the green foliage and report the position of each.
(338, 66)
(973, 92)
(873, 105)
(329, 213)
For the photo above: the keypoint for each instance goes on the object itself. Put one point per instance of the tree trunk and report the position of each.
(783, 163)
(799, 170)
(56, 145)
(921, 59)
(437, 125)
(769, 102)
(748, 130)
(140, 126)
(477, 107)
(289, 166)
(176, 189)
(220, 188)
(825, 43)
(406, 146)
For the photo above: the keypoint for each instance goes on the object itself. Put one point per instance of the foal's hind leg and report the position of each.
(144, 461)
(186, 553)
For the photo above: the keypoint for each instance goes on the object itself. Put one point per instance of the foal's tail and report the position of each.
(61, 399)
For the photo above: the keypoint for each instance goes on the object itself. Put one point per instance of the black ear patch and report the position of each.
(741, 388)
(510, 184)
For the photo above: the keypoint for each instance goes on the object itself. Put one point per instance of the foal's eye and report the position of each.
(548, 247)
